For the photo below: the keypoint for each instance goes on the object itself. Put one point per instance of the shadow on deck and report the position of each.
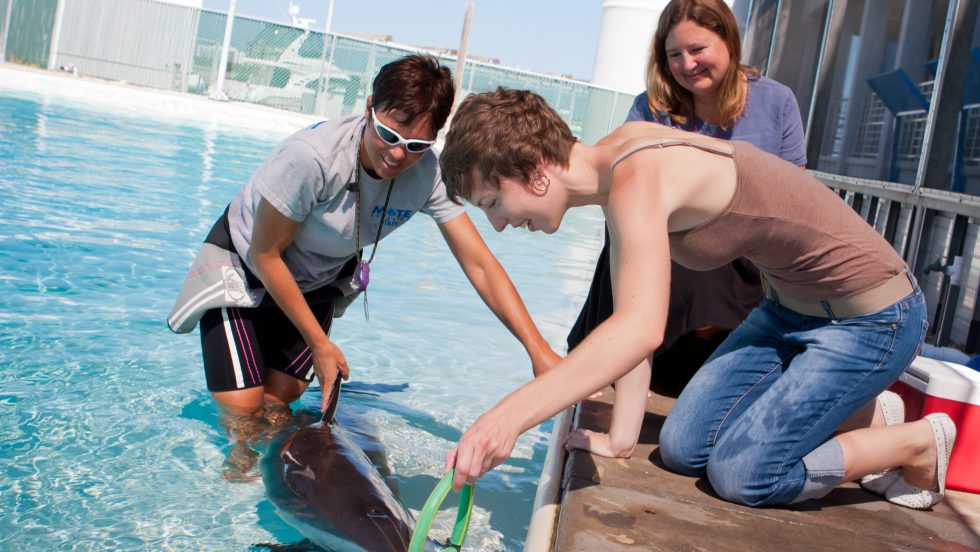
(636, 504)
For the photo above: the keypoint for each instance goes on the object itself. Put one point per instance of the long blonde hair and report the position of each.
(666, 94)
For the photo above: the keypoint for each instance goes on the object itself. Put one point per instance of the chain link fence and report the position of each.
(179, 48)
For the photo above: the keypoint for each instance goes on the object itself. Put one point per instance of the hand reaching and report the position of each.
(328, 362)
(484, 446)
(594, 442)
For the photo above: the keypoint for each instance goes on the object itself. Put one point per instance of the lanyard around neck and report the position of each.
(362, 272)
(357, 216)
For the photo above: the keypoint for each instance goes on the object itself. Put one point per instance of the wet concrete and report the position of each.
(636, 504)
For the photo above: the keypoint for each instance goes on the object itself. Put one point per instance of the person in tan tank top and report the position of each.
(777, 415)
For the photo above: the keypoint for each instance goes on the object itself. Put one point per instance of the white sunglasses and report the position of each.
(392, 138)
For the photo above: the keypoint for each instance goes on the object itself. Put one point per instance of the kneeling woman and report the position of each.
(842, 318)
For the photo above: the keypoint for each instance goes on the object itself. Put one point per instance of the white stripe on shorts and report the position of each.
(232, 351)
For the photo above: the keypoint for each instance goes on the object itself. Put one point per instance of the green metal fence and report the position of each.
(28, 31)
(179, 48)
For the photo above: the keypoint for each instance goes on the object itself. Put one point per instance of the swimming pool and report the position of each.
(108, 439)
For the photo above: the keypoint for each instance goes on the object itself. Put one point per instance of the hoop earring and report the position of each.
(540, 182)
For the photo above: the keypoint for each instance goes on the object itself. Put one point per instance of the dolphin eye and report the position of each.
(376, 513)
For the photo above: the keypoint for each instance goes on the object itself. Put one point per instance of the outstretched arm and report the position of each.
(496, 289)
(614, 348)
(629, 404)
(272, 233)
(629, 407)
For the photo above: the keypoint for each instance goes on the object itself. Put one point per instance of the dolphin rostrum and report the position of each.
(327, 488)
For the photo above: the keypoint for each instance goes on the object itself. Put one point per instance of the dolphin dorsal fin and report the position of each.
(328, 416)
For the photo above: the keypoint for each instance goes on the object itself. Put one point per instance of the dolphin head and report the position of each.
(338, 498)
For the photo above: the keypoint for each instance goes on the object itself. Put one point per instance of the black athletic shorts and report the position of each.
(240, 344)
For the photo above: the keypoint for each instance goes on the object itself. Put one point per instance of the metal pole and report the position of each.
(748, 19)
(59, 13)
(819, 71)
(324, 67)
(461, 53)
(6, 31)
(920, 173)
(772, 39)
(327, 25)
(612, 115)
(189, 60)
(218, 92)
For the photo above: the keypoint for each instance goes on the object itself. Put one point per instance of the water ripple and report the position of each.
(107, 437)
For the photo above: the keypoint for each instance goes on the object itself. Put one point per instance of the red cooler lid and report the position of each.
(944, 380)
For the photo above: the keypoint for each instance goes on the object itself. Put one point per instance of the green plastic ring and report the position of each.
(430, 509)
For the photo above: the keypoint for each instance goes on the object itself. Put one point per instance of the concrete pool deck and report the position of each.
(636, 504)
(124, 99)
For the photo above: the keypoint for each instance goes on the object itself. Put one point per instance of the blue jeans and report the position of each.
(758, 418)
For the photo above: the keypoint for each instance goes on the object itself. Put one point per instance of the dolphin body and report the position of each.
(325, 486)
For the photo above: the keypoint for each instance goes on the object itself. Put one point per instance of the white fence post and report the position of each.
(464, 42)
(218, 92)
(6, 31)
(59, 14)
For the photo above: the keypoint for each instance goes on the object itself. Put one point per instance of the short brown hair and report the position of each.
(415, 85)
(498, 134)
(666, 94)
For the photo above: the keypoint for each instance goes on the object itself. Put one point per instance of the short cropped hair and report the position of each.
(666, 94)
(416, 85)
(505, 133)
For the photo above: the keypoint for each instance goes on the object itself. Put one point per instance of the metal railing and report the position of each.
(944, 261)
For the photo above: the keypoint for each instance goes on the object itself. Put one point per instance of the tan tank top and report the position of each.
(809, 243)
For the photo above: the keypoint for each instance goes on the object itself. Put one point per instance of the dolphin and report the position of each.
(325, 486)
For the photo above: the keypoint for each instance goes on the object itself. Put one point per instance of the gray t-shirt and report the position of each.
(309, 178)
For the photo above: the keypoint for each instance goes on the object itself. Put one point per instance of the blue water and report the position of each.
(108, 439)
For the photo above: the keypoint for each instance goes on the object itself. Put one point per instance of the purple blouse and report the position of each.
(771, 121)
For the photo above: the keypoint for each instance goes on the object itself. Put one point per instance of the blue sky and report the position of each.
(554, 36)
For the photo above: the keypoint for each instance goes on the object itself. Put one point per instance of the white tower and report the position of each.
(624, 43)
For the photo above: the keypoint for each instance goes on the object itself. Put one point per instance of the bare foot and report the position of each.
(238, 465)
(923, 472)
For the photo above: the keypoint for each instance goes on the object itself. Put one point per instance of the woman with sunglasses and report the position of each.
(296, 237)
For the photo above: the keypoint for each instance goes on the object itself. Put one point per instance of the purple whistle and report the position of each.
(362, 276)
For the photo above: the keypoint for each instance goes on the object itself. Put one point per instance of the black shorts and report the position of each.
(241, 344)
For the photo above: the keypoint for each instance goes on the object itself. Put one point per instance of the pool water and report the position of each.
(108, 439)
